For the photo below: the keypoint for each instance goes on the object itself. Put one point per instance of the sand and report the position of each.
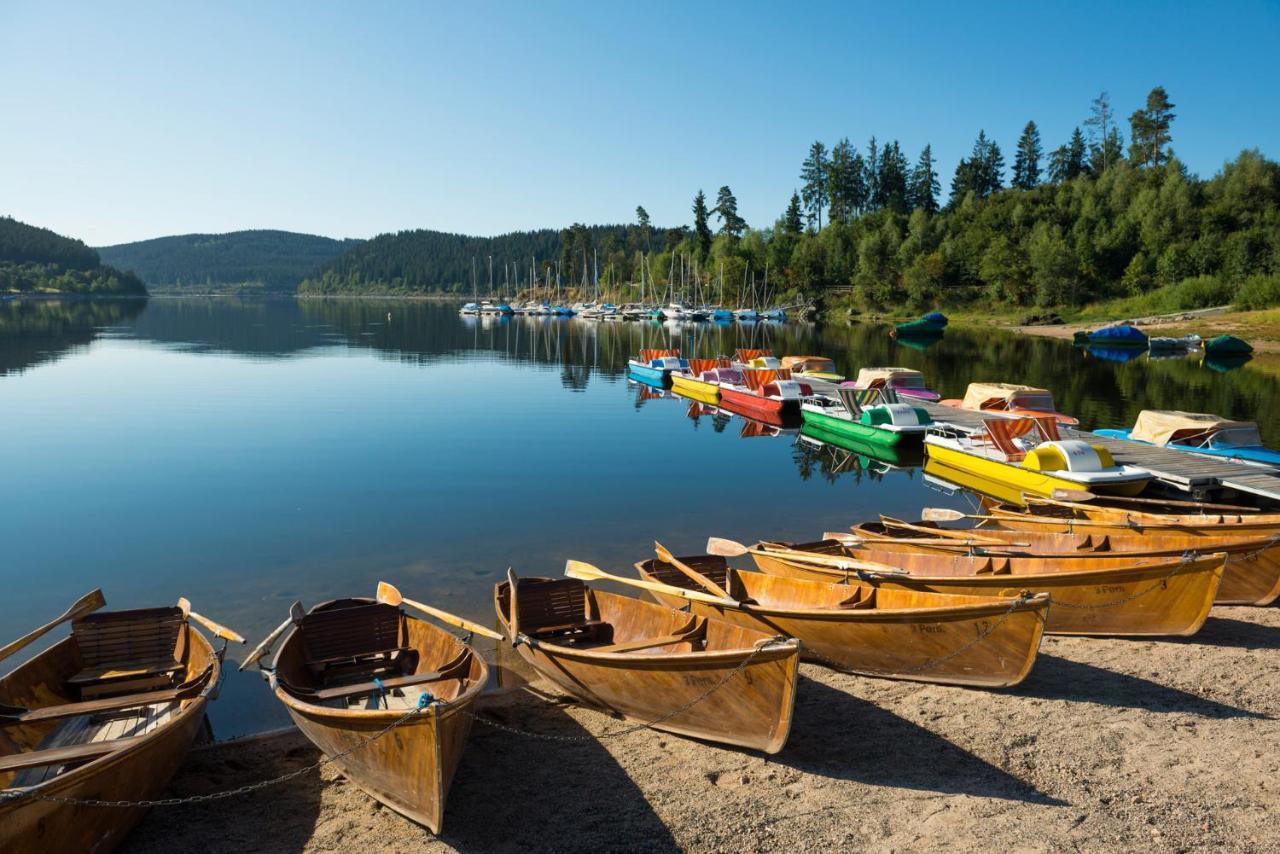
(1164, 745)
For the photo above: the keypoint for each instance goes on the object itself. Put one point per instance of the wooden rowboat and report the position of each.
(652, 664)
(1125, 596)
(108, 713)
(1253, 570)
(899, 634)
(351, 668)
(1252, 575)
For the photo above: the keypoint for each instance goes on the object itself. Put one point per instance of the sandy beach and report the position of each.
(1257, 327)
(1162, 745)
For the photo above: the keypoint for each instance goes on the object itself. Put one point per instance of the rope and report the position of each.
(1187, 558)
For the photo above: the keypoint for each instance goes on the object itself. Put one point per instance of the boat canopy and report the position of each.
(1006, 396)
(936, 317)
(1121, 333)
(808, 363)
(1160, 427)
(868, 377)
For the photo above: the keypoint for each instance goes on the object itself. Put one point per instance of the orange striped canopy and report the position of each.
(1004, 430)
(758, 379)
(647, 356)
(697, 366)
(745, 356)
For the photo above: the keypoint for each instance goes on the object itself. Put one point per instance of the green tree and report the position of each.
(1103, 135)
(1026, 164)
(1069, 161)
(892, 177)
(701, 226)
(846, 192)
(727, 209)
(924, 183)
(792, 220)
(813, 182)
(871, 174)
(1149, 129)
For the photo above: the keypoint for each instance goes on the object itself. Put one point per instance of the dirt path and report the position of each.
(1110, 744)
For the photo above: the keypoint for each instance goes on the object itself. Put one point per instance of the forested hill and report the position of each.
(260, 260)
(421, 261)
(39, 261)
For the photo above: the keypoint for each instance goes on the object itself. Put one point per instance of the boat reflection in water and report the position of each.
(875, 455)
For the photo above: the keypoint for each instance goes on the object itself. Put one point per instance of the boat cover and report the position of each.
(1160, 426)
(758, 379)
(868, 377)
(743, 356)
(982, 395)
(1121, 333)
(808, 363)
(936, 317)
(647, 356)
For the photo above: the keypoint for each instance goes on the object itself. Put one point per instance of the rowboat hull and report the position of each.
(695, 389)
(749, 704)
(1147, 597)
(1252, 575)
(411, 768)
(139, 772)
(1009, 482)
(861, 432)
(916, 635)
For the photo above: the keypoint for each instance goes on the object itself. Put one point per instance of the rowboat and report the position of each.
(652, 664)
(764, 393)
(1251, 540)
(107, 713)
(898, 634)
(1199, 433)
(701, 380)
(656, 366)
(1227, 345)
(853, 414)
(904, 382)
(351, 668)
(1010, 457)
(813, 368)
(931, 324)
(1129, 596)
(1118, 335)
(1173, 345)
(1012, 399)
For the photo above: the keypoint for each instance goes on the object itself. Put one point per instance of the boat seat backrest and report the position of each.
(554, 608)
(351, 634)
(716, 569)
(142, 648)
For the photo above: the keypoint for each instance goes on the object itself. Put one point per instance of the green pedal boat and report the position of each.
(855, 415)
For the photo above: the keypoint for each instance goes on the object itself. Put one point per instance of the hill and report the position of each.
(259, 260)
(36, 260)
(423, 261)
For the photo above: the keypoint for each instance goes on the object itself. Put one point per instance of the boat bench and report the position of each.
(556, 608)
(358, 641)
(716, 569)
(125, 651)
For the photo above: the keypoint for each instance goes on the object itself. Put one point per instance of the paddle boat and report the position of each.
(655, 366)
(813, 367)
(701, 380)
(763, 393)
(744, 357)
(856, 414)
(1007, 457)
(931, 324)
(1199, 433)
(1119, 335)
(904, 382)
(1013, 399)
(865, 455)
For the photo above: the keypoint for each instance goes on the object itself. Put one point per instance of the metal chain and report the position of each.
(1187, 558)
(10, 795)
(932, 662)
(636, 727)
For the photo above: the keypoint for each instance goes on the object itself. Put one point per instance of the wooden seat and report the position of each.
(556, 609)
(125, 651)
(716, 569)
(361, 639)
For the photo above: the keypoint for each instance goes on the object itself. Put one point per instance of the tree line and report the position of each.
(36, 260)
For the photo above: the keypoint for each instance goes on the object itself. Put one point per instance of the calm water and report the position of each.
(249, 454)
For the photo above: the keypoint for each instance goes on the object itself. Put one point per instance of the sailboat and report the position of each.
(472, 307)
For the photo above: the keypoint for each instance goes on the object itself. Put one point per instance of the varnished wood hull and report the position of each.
(919, 635)
(1252, 576)
(752, 707)
(1150, 597)
(410, 768)
(138, 772)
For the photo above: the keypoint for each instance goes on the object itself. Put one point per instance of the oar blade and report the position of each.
(583, 571)
(941, 514)
(388, 594)
(87, 604)
(722, 547)
(1071, 495)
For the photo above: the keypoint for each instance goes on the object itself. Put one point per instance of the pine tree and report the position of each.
(963, 182)
(701, 230)
(924, 183)
(1026, 164)
(871, 174)
(1101, 125)
(793, 219)
(989, 165)
(1149, 129)
(1069, 161)
(845, 190)
(642, 220)
(891, 181)
(727, 209)
(813, 189)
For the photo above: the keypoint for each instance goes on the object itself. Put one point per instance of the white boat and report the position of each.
(674, 311)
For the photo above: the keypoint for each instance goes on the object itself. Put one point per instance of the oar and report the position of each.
(586, 572)
(1069, 495)
(963, 535)
(730, 548)
(389, 595)
(217, 630)
(86, 604)
(295, 618)
(938, 542)
(664, 554)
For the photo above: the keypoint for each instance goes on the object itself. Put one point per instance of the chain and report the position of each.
(636, 727)
(928, 664)
(1187, 558)
(1256, 553)
(10, 795)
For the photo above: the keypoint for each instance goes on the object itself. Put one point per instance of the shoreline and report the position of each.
(1109, 743)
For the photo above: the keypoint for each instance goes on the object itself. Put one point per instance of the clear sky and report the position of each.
(123, 121)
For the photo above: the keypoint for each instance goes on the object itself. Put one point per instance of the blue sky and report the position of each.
(124, 121)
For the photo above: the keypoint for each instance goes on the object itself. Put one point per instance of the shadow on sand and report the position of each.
(1226, 632)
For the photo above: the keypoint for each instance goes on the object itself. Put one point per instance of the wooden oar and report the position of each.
(217, 630)
(295, 617)
(586, 572)
(1173, 502)
(962, 536)
(664, 554)
(389, 595)
(86, 604)
(938, 542)
(730, 548)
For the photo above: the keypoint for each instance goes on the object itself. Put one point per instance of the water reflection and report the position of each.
(33, 332)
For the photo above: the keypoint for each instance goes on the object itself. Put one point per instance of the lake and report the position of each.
(246, 454)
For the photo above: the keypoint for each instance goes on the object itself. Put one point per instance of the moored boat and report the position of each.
(899, 634)
(386, 696)
(1227, 345)
(930, 324)
(701, 380)
(903, 382)
(1012, 399)
(812, 368)
(1199, 433)
(1126, 597)
(855, 414)
(108, 713)
(1118, 335)
(654, 665)
(656, 366)
(763, 393)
